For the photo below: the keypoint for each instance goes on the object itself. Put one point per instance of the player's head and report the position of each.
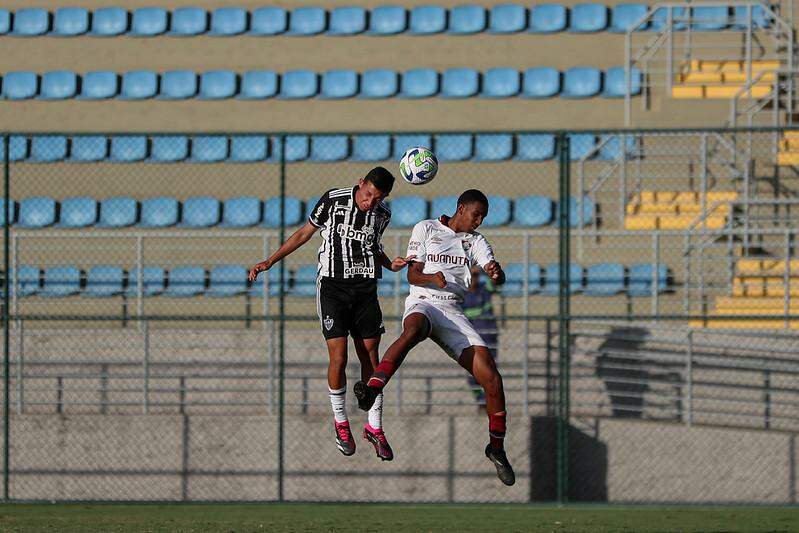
(373, 187)
(472, 209)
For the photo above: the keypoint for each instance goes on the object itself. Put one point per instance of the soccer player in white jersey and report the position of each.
(445, 249)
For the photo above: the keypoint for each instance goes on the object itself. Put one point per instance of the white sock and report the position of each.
(338, 399)
(376, 413)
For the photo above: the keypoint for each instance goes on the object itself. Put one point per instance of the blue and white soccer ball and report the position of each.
(418, 165)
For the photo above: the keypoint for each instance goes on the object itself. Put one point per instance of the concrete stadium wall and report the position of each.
(437, 459)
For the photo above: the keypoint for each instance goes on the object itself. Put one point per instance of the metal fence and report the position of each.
(652, 277)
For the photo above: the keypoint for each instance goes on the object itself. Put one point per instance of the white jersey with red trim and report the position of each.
(454, 254)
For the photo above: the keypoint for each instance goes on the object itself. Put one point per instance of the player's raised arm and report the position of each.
(494, 271)
(483, 255)
(297, 239)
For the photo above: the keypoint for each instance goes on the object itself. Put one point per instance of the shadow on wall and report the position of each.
(619, 365)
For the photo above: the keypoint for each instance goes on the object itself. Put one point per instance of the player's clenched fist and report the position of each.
(399, 262)
(439, 280)
(493, 270)
(260, 267)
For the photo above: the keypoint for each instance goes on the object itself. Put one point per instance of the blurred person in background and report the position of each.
(478, 309)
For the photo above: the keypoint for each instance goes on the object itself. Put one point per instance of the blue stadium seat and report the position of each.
(325, 148)
(118, 212)
(110, 21)
(392, 284)
(507, 18)
(5, 21)
(159, 212)
(540, 82)
(612, 147)
(209, 149)
(740, 18)
(153, 281)
(406, 211)
(298, 148)
(186, 281)
(347, 21)
(128, 149)
(227, 21)
(388, 20)
(242, 212)
(501, 83)
(20, 85)
(104, 281)
(371, 148)
(29, 22)
(258, 85)
(58, 85)
(642, 278)
(588, 18)
(60, 282)
(467, 19)
(532, 211)
(297, 84)
(269, 21)
(552, 279)
(273, 280)
(419, 83)
(493, 147)
(88, 149)
(99, 85)
(227, 280)
(498, 212)
(149, 21)
(426, 20)
(339, 84)
(307, 21)
(78, 212)
(13, 208)
(188, 22)
(379, 83)
(27, 281)
(403, 142)
(606, 279)
(178, 85)
(625, 15)
(580, 145)
(248, 149)
(581, 82)
(218, 85)
(679, 16)
(454, 147)
(18, 148)
(201, 212)
(169, 149)
(292, 212)
(709, 18)
(578, 216)
(443, 205)
(139, 85)
(615, 85)
(548, 18)
(460, 83)
(514, 279)
(70, 21)
(48, 148)
(535, 147)
(37, 212)
(309, 205)
(304, 281)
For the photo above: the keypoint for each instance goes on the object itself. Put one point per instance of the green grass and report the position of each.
(391, 518)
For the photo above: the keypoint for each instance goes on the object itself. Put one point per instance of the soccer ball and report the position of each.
(418, 165)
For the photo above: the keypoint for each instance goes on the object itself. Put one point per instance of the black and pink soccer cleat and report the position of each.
(379, 441)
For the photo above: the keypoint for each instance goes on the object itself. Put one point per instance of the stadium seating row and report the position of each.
(384, 20)
(314, 148)
(607, 279)
(243, 212)
(539, 82)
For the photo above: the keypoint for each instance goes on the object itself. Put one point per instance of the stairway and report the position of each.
(676, 210)
(722, 79)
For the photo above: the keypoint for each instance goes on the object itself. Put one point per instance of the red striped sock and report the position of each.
(382, 374)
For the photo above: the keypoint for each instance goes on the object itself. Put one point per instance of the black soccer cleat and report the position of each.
(366, 395)
(504, 469)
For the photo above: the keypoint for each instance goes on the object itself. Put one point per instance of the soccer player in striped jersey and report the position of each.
(351, 260)
(444, 251)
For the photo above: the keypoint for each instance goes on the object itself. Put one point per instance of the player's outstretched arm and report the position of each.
(416, 276)
(396, 264)
(494, 271)
(297, 239)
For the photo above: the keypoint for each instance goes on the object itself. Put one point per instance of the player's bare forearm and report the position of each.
(416, 276)
(297, 239)
(396, 264)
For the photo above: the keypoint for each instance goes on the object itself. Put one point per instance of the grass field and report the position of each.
(391, 518)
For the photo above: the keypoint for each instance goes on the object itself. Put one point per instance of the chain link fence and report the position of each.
(648, 321)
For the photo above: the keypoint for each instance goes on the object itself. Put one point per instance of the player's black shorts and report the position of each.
(349, 307)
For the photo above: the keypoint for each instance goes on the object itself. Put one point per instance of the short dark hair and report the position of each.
(381, 178)
(471, 196)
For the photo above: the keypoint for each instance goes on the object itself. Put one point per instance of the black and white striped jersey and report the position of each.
(350, 237)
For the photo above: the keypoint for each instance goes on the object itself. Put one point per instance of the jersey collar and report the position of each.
(442, 221)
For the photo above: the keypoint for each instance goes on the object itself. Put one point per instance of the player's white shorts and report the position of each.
(449, 327)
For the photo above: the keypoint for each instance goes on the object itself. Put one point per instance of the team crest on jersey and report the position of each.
(328, 322)
(466, 245)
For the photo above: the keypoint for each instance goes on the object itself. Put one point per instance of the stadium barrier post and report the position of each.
(526, 360)
(563, 323)
(689, 372)
(281, 328)
(6, 321)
